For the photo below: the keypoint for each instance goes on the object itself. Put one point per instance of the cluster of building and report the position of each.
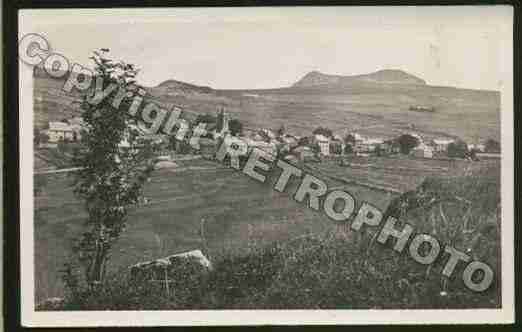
(62, 131)
(290, 146)
(314, 147)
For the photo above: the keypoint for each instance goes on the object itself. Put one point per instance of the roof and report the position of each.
(423, 147)
(207, 141)
(376, 140)
(442, 141)
(268, 132)
(76, 121)
(320, 137)
(357, 136)
(289, 139)
(300, 149)
(59, 126)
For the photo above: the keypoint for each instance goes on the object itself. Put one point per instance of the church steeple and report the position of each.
(220, 120)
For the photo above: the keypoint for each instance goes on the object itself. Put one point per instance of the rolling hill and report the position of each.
(374, 104)
(386, 76)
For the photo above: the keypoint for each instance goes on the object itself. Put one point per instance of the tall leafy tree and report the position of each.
(115, 164)
(235, 126)
(492, 146)
(458, 149)
(407, 143)
(323, 131)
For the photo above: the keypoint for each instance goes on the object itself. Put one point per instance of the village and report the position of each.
(374, 169)
(322, 144)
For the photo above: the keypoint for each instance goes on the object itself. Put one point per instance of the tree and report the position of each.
(111, 177)
(348, 149)
(235, 127)
(379, 151)
(349, 139)
(304, 141)
(492, 146)
(40, 182)
(458, 149)
(63, 147)
(205, 118)
(40, 137)
(323, 131)
(407, 143)
(281, 131)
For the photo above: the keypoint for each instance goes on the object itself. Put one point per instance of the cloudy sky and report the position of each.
(274, 47)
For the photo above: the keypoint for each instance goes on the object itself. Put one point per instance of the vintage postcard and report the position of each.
(246, 166)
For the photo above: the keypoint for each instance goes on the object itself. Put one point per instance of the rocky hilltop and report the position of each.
(386, 76)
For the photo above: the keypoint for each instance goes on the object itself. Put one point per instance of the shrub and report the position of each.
(492, 146)
(407, 143)
(458, 149)
(323, 131)
(235, 127)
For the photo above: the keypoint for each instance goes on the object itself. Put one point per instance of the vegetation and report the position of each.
(492, 146)
(349, 139)
(205, 118)
(318, 272)
(336, 148)
(457, 149)
(280, 131)
(407, 143)
(335, 270)
(323, 131)
(348, 149)
(40, 182)
(111, 178)
(39, 137)
(236, 127)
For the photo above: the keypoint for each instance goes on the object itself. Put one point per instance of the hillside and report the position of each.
(386, 76)
(372, 104)
(173, 87)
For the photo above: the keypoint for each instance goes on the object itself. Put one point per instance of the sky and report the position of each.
(250, 48)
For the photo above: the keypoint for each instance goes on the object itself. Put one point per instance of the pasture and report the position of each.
(204, 205)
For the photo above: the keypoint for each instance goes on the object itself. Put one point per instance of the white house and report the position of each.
(423, 151)
(478, 147)
(324, 144)
(269, 147)
(290, 140)
(59, 131)
(441, 144)
(372, 143)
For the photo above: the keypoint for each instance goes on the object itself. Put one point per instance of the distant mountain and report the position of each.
(386, 76)
(375, 104)
(173, 87)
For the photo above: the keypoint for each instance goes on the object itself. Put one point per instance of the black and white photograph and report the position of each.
(266, 166)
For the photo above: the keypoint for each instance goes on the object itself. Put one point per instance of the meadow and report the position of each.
(204, 205)
(270, 252)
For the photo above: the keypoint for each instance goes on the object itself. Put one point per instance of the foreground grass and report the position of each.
(334, 270)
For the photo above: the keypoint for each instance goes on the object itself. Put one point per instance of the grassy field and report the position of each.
(238, 212)
(234, 211)
(331, 268)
